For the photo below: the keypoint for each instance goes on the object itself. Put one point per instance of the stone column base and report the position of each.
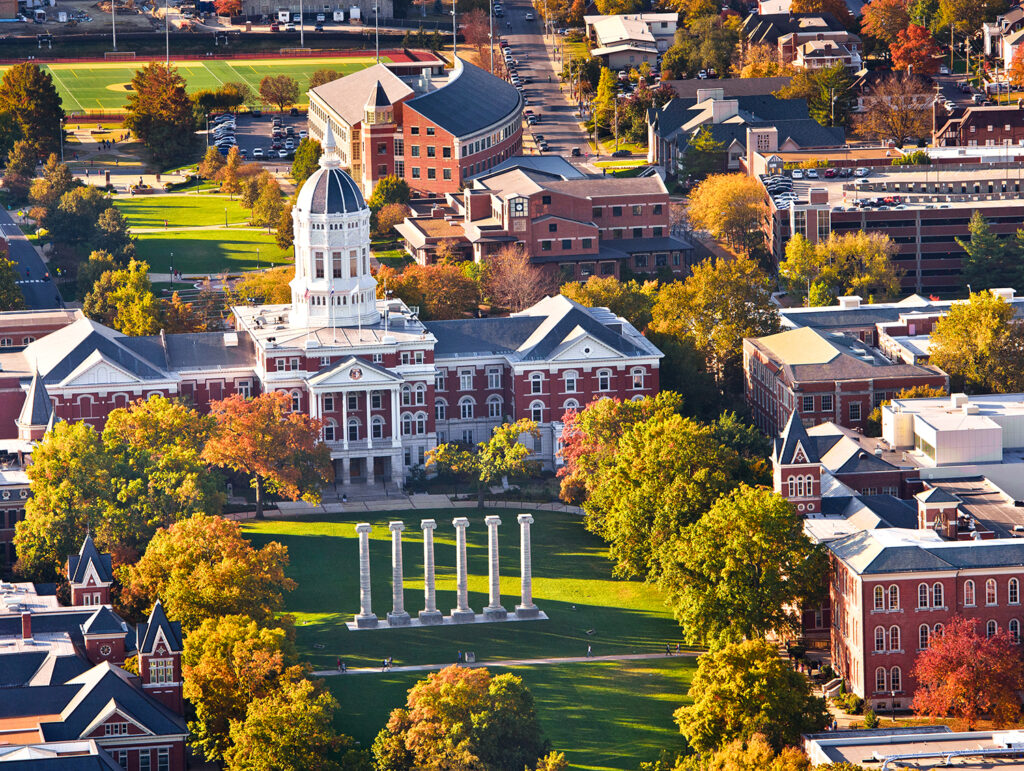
(496, 613)
(527, 611)
(366, 622)
(431, 617)
(399, 619)
(463, 616)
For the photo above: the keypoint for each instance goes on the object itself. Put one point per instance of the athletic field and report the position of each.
(101, 86)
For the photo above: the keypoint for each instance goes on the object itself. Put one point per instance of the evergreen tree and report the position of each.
(990, 261)
(160, 114)
(29, 95)
(704, 155)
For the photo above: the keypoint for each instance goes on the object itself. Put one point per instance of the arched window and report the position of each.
(969, 592)
(296, 401)
(880, 680)
(991, 628)
(440, 409)
(570, 404)
(894, 638)
(879, 598)
(879, 639)
(421, 423)
(330, 427)
(990, 592)
(1014, 627)
(494, 406)
(636, 376)
(938, 595)
(1013, 591)
(466, 405)
(937, 630)
(421, 394)
(894, 597)
(896, 679)
(791, 482)
(407, 424)
(604, 380)
(406, 396)
(537, 383)
(922, 595)
(537, 412)
(922, 637)
(353, 429)
(800, 487)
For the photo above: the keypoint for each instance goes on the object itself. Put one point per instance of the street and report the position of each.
(39, 290)
(558, 123)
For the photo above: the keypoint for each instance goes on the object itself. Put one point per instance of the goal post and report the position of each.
(119, 56)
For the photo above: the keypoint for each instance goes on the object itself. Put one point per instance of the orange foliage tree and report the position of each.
(915, 50)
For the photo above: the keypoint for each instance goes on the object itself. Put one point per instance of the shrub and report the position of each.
(870, 719)
(850, 703)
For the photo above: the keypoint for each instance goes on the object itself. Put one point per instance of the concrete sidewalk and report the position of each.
(509, 663)
(287, 509)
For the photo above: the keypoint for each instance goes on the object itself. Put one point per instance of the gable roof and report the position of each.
(347, 96)
(769, 27)
(104, 622)
(146, 633)
(38, 407)
(795, 443)
(79, 563)
(899, 550)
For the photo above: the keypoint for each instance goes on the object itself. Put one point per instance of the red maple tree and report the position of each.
(965, 674)
(228, 7)
(915, 50)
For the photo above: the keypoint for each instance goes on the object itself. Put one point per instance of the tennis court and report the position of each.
(102, 86)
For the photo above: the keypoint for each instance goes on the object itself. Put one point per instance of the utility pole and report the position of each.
(113, 22)
(302, 27)
(167, 30)
(950, 47)
(490, 34)
(616, 121)
(455, 34)
(376, 29)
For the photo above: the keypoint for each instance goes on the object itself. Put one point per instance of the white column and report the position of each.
(365, 617)
(344, 419)
(493, 610)
(430, 614)
(346, 472)
(396, 435)
(397, 616)
(314, 405)
(462, 612)
(526, 608)
(369, 444)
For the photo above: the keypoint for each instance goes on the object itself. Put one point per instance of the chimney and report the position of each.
(26, 626)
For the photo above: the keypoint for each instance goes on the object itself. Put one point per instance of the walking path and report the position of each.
(509, 663)
(395, 502)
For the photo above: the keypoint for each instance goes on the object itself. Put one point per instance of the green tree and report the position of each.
(280, 450)
(828, 91)
(234, 94)
(113, 236)
(719, 304)
(742, 689)
(703, 155)
(10, 132)
(75, 216)
(632, 299)
(990, 261)
(845, 264)
(279, 90)
(204, 567)
(306, 161)
(21, 165)
(28, 94)
(160, 114)
(55, 181)
(604, 101)
(707, 42)
(463, 718)
(212, 163)
(123, 299)
(230, 173)
(740, 570)
(90, 271)
(964, 340)
(228, 662)
(266, 211)
(291, 729)
(389, 189)
(503, 455)
(322, 76)
(284, 236)
(965, 16)
(11, 297)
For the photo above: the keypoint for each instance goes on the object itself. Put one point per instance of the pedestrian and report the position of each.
(339, 663)
(589, 653)
(459, 659)
(678, 651)
(668, 650)
(344, 668)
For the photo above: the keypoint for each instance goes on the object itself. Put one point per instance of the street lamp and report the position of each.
(376, 29)
(455, 34)
(892, 705)
(60, 126)
(225, 216)
(167, 30)
(113, 22)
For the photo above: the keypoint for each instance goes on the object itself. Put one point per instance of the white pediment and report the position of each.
(112, 712)
(99, 370)
(354, 374)
(578, 345)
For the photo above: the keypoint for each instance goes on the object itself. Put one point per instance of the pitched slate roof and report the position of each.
(731, 87)
(89, 554)
(67, 620)
(793, 436)
(38, 407)
(769, 27)
(471, 100)
(462, 337)
(195, 350)
(936, 495)
(347, 96)
(146, 633)
(104, 622)
(905, 551)
(62, 763)
(39, 667)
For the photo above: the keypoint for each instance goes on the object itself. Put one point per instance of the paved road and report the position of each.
(40, 292)
(559, 124)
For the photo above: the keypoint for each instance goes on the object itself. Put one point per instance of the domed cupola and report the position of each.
(332, 284)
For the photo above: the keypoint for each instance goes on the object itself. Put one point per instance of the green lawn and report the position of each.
(603, 715)
(180, 211)
(211, 251)
(101, 86)
(572, 583)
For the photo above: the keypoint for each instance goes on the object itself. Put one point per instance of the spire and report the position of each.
(795, 446)
(38, 408)
(378, 99)
(329, 157)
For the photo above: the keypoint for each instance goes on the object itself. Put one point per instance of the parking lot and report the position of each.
(256, 133)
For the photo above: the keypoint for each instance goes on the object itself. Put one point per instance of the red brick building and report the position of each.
(978, 125)
(823, 377)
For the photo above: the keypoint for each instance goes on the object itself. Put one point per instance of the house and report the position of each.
(624, 41)
(805, 40)
(988, 125)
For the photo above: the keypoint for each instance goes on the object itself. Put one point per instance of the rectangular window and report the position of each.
(826, 402)
(808, 404)
(657, 208)
(596, 212)
(163, 759)
(466, 380)
(552, 227)
(446, 173)
(545, 200)
(431, 173)
(415, 172)
(336, 264)
(382, 148)
(586, 242)
(616, 211)
(545, 246)
(656, 232)
(405, 357)
(431, 151)
(430, 131)
(440, 381)
(446, 152)
(637, 209)
(566, 244)
(854, 411)
(121, 756)
(328, 402)
(571, 383)
(280, 365)
(319, 261)
(640, 260)
(145, 760)
(414, 130)
(638, 232)
(161, 671)
(293, 364)
(244, 388)
(375, 400)
(414, 151)
(493, 378)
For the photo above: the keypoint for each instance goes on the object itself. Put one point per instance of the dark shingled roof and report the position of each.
(38, 407)
(195, 350)
(78, 563)
(101, 762)
(731, 87)
(334, 192)
(471, 100)
(491, 335)
(792, 435)
(118, 354)
(769, 27)
(104, 622)
(146, 633)
(866, 554)
(18, 668)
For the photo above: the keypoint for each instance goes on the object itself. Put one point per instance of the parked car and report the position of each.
(289, 144)
(811, 174)
(798, 174)
(575, 152)
(294, 112)
(282, 153)
(257, 153)
(621, 154)
(830, 173)
(529, 16)
(861, 171)
(303, 133)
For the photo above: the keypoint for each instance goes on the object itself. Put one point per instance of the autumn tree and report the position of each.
(1015, 72)
(123, 299)
(322, 76)
(267, 207)
(113, 236)
(476, 32)
(228, 662)
(915, 50)
(306, 160)
(390, 215)
(212, 163)
(279, 90)
(740, 570)
(90, 270)
(511, 281)
(501, 456)
(177, 316)
(730, 207)
(11, 297)
(291, 729)
(463, 718)
(284, 236)
(965, 341)
(713, 309)
(439, 291)
(29, 96)
(725, 708)
(828, 91)
(389, 189)
(160, 113)
(204, 567)
(965, 16)
(898, 108)
(56, 180)
(278, 449)
(965, 675)
(633, 300)
(844, 264)
(761, 60)
(229, 174)
(885, 19)
(837, 8)
(228, 7)
(265, 287)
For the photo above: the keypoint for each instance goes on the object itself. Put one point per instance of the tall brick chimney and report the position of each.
(26, 626)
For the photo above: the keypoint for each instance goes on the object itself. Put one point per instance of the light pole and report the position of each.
(455, 34)
(302, 27)
(490, 34)
(167, 30)
(225, 216)
(892, 705)
(113, 22)
(60, 126)
(170, 267)
(376, 30)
